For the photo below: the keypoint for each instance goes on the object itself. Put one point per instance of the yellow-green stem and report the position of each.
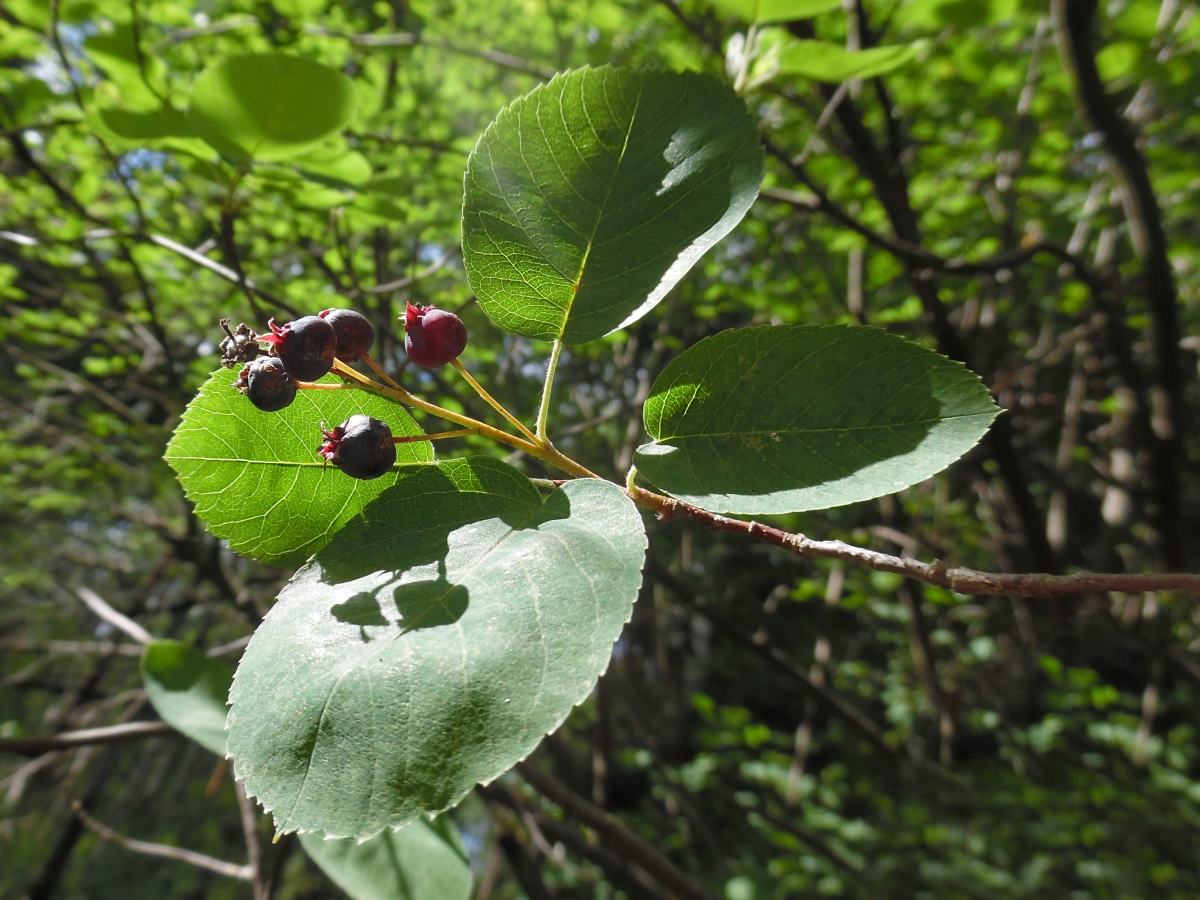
(414, 438)
(404, 398)
(544, 411)
(379, 370)
(495, 404)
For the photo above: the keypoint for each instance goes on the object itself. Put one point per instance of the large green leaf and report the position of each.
(589, 198)
(431, 645)
(762, 12)
(188, 690)
(421, 861)
(256, 479)
(778, 419)
(268, 105)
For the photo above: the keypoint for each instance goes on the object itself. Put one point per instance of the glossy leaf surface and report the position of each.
(256, 478)
(589, 198)
(779, 419)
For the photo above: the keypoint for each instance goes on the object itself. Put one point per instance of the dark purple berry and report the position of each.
(267, 384)
(239, 346)
(353, 332)
(361, 447)
(435, 336)
(306, 347)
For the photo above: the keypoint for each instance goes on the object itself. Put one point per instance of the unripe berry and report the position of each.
(434, 336)
(305, 346)
(267, 384)
(361, 447)
(353, 333)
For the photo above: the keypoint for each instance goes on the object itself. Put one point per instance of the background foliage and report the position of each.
(768, 726)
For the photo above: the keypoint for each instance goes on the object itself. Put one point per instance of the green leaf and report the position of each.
(824, 61)
(764, 12)
(268, 106)
(256, 479)
(418, 862)
(116, 52)
(431, 645)
(779, 419)
(188, 690)
(335, 165)
(160, 123)
(591, 197)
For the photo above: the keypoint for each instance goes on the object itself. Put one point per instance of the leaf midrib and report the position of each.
(566, 318)
(788, 430)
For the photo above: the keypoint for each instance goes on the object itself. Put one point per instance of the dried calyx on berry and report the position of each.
(239, 346)
(434, 336)
(353, 333)
(361, 447)
(267, 384)
(305, 346)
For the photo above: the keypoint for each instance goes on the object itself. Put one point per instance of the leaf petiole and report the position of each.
(492, 401)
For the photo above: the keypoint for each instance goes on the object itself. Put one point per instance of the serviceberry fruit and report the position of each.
(361, 447)
(239, 347)
(434, 336)
(267, 384)
(306, 346)
(353, 332)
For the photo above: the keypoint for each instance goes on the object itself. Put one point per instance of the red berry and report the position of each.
(305, 346)
(361, 447)
(266, 384)
(353, 332)
(435, 336)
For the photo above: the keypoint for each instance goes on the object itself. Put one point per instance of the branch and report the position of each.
(614, 834)
(109, 734)
(191, 857)
(959, 580)
(833, 701)
(1074, 21)
(121, 622)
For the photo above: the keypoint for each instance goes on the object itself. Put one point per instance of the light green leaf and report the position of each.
(431, 645)
(116, 53)
(591, 197)
(160, 123)
(764, 12)
(335, 165)
(188, 690)
(256, 479)
(418, 862)
(960, 13)
(779, 419)
(268, 106)
(824, 61)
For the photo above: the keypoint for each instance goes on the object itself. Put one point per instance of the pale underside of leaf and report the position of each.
(377, 692)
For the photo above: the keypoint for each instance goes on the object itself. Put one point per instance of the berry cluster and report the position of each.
(305, 349)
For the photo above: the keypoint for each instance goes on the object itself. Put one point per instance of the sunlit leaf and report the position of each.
(256, 478)
(589, 198)
(778, 419)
